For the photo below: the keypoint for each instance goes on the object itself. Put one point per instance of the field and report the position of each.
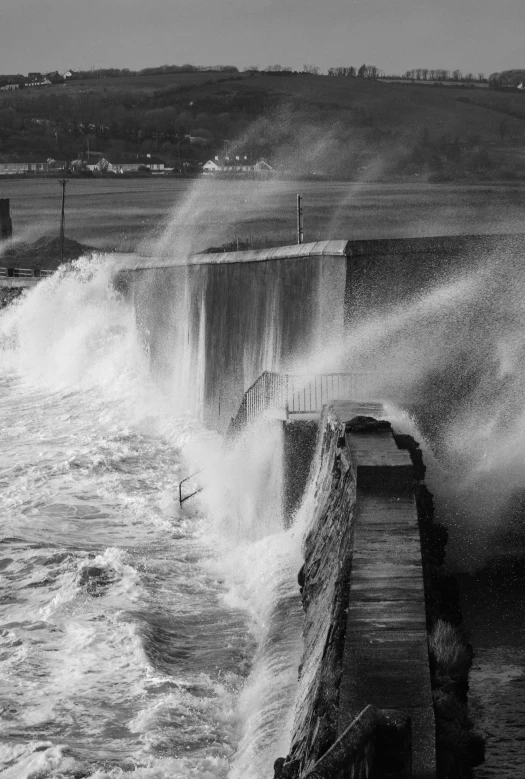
(185, 215)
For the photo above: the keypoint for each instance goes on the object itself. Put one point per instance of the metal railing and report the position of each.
(296, 393)
(24, 273)
(183, 499)
(377, 743)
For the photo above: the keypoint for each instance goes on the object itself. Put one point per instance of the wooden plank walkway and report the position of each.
(386, 652)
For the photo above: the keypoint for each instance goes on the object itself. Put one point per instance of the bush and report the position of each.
(450, 655)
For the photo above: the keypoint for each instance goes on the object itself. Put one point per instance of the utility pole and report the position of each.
(300, 233)
(62, 183)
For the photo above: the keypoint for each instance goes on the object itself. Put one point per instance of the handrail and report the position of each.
(8, 271)
(362, 747)
(294, 393)
(187, 497)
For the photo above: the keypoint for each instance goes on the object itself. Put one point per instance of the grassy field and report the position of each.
(190, 215)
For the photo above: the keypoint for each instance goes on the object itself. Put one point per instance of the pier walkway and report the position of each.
(385, 660)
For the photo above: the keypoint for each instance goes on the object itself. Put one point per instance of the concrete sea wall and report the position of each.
(216, 322)
(216, 326)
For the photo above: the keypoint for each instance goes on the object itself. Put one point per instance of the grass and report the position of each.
(450, 655)
(458, 747)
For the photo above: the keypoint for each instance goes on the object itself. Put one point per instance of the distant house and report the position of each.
(56, 164)
(236, 164)
(7, 168)
(12, 81)
(123, 163)
(55, 77)
(212, 166)
(10, 87)
(262, 166)
(37, 80)
(68, 74)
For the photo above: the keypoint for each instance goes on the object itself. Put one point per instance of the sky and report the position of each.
(395, 35)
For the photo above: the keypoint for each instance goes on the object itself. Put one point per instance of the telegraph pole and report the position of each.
(62, 183)
(300, 233)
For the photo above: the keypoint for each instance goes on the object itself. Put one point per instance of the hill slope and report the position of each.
(304, 123)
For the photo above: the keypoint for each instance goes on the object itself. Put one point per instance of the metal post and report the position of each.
(300, 234)
(62, 183)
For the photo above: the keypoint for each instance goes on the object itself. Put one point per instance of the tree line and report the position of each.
(155, 71)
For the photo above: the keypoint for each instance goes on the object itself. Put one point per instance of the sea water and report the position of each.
(138, 636)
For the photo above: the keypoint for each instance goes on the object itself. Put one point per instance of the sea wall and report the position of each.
(390, 272)
(212, 328)
(213, 323)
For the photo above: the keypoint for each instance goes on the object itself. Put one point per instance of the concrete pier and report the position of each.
(365, 633)
(385, 661)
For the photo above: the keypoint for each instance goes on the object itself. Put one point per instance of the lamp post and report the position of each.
(300, 232)
(62, 183)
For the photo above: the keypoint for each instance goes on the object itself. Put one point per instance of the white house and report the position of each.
(212, 166)
(237, 164)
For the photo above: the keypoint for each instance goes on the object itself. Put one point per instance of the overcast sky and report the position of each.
(472, 35)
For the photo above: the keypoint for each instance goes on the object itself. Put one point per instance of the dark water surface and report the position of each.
(493, 605)
(128, 211)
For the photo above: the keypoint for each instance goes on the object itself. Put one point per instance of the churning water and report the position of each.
(136, 636)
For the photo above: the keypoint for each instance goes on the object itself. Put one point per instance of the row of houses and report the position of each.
(11, 83)
(129, 163)
(32, 166)
(237, 164)
(110, 163)
(120, 163)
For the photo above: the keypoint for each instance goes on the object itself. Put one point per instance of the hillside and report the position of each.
(304, 124)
